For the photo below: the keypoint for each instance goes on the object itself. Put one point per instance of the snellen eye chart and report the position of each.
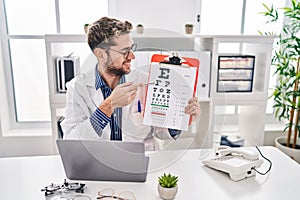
(166, 99)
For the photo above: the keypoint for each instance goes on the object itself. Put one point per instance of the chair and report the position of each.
(59, 129)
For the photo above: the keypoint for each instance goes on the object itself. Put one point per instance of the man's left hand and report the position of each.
(193, 108)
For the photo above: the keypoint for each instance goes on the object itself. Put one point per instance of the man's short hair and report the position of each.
(102, 32)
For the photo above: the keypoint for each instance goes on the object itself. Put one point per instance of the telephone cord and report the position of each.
(263, 173)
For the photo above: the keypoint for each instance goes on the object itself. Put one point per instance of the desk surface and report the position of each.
(24, 177)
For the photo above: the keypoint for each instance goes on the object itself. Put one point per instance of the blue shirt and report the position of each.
(99, 120)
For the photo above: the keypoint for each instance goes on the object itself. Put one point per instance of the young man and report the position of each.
(99, 103)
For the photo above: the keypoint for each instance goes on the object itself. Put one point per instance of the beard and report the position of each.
(113, 70)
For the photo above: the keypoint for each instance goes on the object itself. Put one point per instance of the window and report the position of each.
(23, 26)
(30, 80)
(22, 17)
(255, 21)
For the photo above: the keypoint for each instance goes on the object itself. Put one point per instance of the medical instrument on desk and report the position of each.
(65, 187)
(239, 163)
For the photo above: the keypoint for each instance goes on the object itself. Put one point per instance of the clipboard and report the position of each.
(175, 82)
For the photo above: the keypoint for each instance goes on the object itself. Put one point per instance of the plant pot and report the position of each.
(167, 193)
(139, 30)
(189, 29)
(86, 28)
(280, 143)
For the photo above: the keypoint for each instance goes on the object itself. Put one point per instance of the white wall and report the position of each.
(163, 14)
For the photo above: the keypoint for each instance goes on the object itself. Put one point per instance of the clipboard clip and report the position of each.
(174, 59)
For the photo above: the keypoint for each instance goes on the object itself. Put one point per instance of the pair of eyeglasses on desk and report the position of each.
(109, 193)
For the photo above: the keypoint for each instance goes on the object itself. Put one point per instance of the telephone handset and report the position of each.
(239, 163)
(245, 153)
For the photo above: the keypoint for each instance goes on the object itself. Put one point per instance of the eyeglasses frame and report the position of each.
(126, 53)
(101, 196)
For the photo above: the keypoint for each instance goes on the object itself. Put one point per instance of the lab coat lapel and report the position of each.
(96, 95)
(97, 98)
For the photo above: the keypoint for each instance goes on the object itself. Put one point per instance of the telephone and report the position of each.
(239, 163)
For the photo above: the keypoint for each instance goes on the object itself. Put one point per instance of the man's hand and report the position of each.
(121, 96)
(193, 108)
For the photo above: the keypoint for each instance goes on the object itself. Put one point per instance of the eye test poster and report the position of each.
(166, 100)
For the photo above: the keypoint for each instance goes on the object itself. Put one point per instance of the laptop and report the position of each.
(103, 160)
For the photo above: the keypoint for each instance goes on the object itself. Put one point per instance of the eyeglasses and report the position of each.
(109, 193)
(127, 51)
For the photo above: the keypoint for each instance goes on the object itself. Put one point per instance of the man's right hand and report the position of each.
(121, 96)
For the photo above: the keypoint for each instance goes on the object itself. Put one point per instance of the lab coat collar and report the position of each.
(90, 78)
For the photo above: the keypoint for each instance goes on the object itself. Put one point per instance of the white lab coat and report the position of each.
(82, 101)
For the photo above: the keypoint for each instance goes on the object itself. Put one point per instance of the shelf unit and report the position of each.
(252, 104)
(54, 48)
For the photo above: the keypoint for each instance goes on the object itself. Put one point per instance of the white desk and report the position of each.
(23, 178)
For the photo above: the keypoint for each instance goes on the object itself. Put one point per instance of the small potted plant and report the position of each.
(167, 186)
(139, 28)
(86, 28)
(189, 28)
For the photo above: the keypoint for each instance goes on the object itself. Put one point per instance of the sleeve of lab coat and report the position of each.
(76, 124)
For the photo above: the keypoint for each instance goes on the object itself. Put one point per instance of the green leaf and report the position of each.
(168, 181)
(269, 10)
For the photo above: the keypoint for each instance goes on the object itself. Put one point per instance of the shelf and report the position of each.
(65, 38)
(238, 38)
(161, 35)
(240, 98)
(58, 98)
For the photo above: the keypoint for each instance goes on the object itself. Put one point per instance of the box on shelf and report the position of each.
(235, 73)
(234, 86)
(67, 67)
